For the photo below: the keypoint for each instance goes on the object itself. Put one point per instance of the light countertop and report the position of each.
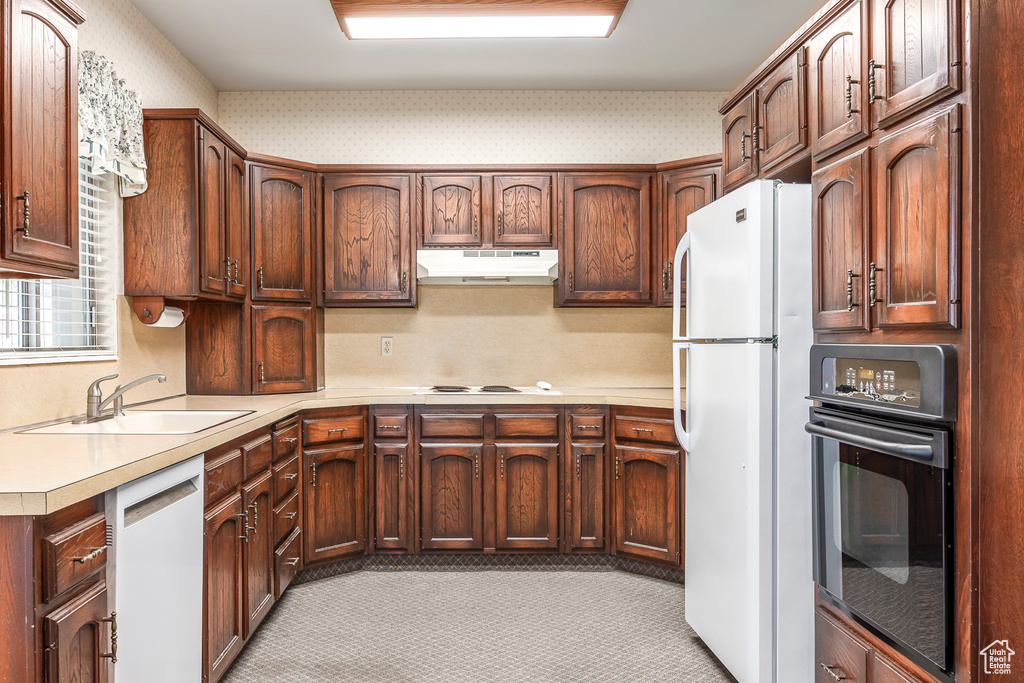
(42, 473)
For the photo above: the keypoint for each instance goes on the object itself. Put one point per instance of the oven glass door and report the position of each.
(883, 539)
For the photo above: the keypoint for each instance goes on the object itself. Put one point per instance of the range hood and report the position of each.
(486, 266)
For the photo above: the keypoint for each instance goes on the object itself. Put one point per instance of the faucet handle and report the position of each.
(94, 388)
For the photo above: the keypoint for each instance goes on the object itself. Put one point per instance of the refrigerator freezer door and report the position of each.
(728, 517)
(730, 272)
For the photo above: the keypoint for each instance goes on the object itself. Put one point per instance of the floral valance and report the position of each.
(110, 124)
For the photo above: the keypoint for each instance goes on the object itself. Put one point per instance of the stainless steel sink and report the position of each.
(148, 422)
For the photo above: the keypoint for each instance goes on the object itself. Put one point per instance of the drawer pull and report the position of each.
(289, 477)
(292, 561)
(588, 426)
(643, 429)
(389, 426)
(831, 671)
(96, 552)
(112, 655)
(291, 515)
(337, 430)
(290, 439)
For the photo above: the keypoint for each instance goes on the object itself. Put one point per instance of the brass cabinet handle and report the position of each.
(643, 429)
(245, 525)
(96, 552)
(291, 515)
(291, 562)
(571, 288)
(401, 466)
(259, 277)
(502, 461)
(289, 477)
(255, 515)
(312, 479)
(588, 426)
(24, 214)
(405, 282)
(617, 468)
(759, 138)
(263, 379)
(290, 439)
(476, 224)
(390, 426)
(850, 111)
(112, 655)
(850, 305)
(670, 275)
(234, 278)
(873, 285)
(831, 671)
(227, 269)
(743, 146)
(476, 465)
(577, 466)
(499, 223)
(337, 429)
(872, 67)
(664, 279)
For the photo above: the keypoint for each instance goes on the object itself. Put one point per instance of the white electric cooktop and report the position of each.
(487, 389)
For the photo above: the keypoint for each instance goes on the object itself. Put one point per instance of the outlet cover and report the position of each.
(386, 346)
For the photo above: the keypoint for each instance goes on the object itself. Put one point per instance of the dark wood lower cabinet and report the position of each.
(646, 507)
(222, 577)
(452, 496)
(335, 514)
(527, 496)
(394, 496)
(258, 548)
(78, 638)
(585, 517)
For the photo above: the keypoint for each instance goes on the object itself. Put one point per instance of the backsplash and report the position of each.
(475, 127)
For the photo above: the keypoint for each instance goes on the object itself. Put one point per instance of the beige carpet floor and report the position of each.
(478, 626)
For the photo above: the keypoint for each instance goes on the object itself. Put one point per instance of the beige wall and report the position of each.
(498, 335)
(149, 64)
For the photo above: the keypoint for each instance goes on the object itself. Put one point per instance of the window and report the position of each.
(54, 321)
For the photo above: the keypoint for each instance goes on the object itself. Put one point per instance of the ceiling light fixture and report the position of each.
(408, 19)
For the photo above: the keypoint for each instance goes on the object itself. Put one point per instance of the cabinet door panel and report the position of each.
(76, 639)
(282, 234)
(839, 228)
(367, 239)
(523, 210)
(451, 211)
(222, 586)
(334, 520)
(837, 653)
(646, 503)
(43, 151)
(586, 517)
(606, 239)
(835, 56)
(213, 266)
(682, 193)
(258, 549)
(452, 496)
(283, 349)
(527, 496)
(916, 52)
(236, 219)
(394, 501)
(782, 120)
(739, 159)
(916, 217)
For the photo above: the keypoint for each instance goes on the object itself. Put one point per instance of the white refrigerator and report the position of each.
(744, 346)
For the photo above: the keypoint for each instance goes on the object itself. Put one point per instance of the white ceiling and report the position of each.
(259, 45)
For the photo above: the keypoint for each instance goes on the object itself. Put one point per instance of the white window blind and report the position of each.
(49, 321)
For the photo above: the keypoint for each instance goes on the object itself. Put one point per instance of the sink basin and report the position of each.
(148, 422)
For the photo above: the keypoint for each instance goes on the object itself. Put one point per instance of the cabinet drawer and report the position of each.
(72, 554)
(396, 426)
(286, 477)
(286, 518)
(286, 562)
(465, 426)
(645, 429)
(837, 653)
(286, 441)
(506, 426)
(258, 455)
(586, 426)
(331, 429)
(223, 475)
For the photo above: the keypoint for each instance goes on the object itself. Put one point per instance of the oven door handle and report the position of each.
(910, 446)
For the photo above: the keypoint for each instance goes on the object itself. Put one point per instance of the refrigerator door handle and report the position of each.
(682, 435)
(677, 277)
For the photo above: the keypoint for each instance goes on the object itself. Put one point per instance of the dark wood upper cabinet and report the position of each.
(681, 193)
(781, 127)
(452, 211)
(646, 510)
(285, 354)
(913, 276)
(78, 635)
(838, 93)
(527, 496)
(523, 211)
(839, 220)
(258, 549)
(282, 233)
(605, 255)
(187, 234)
(452, 496)
(915, 55)
(39, 188)
(222, 577)
(368, 256)
(335, 499)
(739, 154)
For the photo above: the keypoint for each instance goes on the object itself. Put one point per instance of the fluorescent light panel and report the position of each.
(518, 26)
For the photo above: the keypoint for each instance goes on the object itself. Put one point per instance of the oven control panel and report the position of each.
(877, 381)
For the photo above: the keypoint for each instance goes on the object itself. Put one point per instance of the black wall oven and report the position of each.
(883, 491)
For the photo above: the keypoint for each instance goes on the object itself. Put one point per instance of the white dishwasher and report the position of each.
(155, 575)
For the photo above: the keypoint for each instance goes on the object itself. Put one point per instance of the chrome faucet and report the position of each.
(95, 403)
